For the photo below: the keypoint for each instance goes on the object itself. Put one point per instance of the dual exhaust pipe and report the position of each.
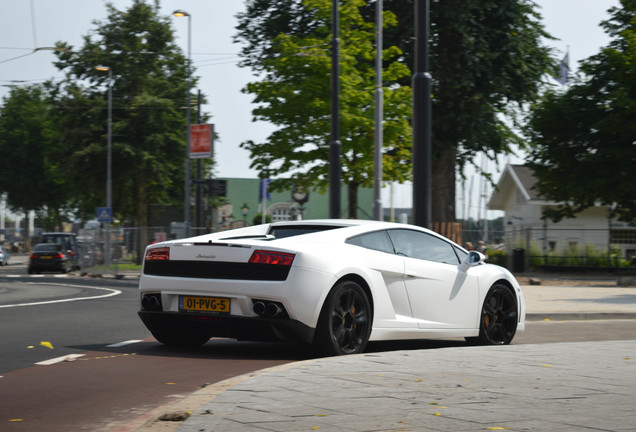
(151, 302)
(267, 309)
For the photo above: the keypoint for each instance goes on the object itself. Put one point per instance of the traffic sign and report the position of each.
(217, 188)
(105, 214)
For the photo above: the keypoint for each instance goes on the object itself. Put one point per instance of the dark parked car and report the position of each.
(49, 257)
(70, 243)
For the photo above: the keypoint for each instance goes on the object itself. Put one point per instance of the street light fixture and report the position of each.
(245, 210)
(186, 213)
(109, 162)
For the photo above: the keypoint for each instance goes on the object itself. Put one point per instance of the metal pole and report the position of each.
(197, 187)
(379, 114)
(334, 147)
(186, 198)
(187, 153)
(422, 184)
(109, 165)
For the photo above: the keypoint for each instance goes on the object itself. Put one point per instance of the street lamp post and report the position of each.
(186, 212)
(109, 161)
(245, 209)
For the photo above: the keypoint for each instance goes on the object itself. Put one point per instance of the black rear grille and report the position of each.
(217, 270)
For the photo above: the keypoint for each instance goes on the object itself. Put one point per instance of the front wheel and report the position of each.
(345, 321)
(499, 317)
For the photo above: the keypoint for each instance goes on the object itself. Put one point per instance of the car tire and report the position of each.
(344, 325)
(171, 338)
(498, 318)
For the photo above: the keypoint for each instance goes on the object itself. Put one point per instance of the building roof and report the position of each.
(519, 177)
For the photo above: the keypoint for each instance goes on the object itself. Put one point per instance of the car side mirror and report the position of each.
(473, 258)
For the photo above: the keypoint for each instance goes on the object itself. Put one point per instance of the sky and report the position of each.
(32, 24)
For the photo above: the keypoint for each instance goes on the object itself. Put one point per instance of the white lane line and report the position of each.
(111, 293)
(52, 361)
(120, 344)
(36, 276)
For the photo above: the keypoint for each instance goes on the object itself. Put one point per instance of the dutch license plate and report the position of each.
(204, 304)
(46, 257)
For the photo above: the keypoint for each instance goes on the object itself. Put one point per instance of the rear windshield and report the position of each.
(57, 238)
(295, 230)
(51, 247)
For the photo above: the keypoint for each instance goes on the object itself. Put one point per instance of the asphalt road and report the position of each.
(99, 368)
(75, 356)
(49, 317)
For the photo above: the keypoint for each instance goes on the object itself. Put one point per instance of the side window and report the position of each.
(378, 240)
(416, 244)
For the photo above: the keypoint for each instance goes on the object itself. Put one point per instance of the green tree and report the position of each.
(294, 94)
(487, 59)
(148, 87)
(584, 151)
(27, 141)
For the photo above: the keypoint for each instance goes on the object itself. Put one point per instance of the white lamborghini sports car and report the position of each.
(334, 283)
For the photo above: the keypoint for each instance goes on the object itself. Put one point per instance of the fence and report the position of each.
(518, 248)
(571, 249)
(127, 245)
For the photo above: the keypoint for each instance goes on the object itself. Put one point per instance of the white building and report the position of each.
(525, 228)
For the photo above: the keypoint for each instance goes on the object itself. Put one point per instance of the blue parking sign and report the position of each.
(105, 214)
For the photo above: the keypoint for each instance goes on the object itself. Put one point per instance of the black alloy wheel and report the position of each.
(499, 317)
(345, 321)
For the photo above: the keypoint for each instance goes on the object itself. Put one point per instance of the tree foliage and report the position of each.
(584, 149)
(294, 94)
(148, 92)
(28, 166)
(487, 59)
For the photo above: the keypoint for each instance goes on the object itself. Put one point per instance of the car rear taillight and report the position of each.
(158, 254)
(271, 257)
(58, 255)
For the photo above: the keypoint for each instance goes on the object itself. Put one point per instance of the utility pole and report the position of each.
(422, 118)
(379, 115)
(334, 146)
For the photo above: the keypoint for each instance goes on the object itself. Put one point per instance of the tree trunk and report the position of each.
(352, 195)
(443, 177)
(58, 218)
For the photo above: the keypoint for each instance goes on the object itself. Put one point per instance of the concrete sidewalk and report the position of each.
(579, 302)
(548, 387)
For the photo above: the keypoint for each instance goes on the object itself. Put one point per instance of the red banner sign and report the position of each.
(201, 141)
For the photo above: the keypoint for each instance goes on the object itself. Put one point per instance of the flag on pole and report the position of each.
(564, 69)
(263, 192)
(263, 197)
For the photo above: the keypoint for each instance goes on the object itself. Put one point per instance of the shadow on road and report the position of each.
(219, 348)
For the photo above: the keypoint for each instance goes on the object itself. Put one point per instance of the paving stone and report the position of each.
(560, 387)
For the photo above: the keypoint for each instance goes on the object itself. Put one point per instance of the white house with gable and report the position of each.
(525, 227)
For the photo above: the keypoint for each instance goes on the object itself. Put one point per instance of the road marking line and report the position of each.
(112, 292)
(52, 361)
(120, 344)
